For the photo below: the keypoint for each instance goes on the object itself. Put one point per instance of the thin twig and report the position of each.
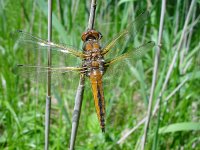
(131, 131)
(92, 15)
(155, 72)
(48, 98)
(80, 90)
(176, 89)
(185, 52)
(77, 111)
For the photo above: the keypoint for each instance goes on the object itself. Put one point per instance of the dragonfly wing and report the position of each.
(35, 51)
(123, 39)
(120, 65)
(29, 41)
(38, 74)
(135, 54)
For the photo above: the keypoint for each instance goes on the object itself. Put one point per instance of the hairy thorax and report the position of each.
(94, 62)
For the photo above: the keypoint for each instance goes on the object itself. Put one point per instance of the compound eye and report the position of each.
(84, 36)
(100, 35)
(91, 34)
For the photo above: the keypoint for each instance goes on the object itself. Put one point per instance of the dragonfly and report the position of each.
(96, 62)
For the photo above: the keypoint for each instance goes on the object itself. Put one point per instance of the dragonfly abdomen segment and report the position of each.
(97, 90)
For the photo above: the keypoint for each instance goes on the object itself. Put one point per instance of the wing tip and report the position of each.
(20, 65)
(19, 31)
(145, 13)
(151, 42)
(103, 130)
(13, 34)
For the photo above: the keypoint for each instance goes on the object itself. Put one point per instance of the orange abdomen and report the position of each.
(97, 90)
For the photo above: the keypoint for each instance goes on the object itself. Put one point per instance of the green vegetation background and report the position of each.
(22, 102)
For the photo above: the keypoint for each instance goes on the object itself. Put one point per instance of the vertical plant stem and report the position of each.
(158, 103)
(48, 98)
(80, 90)
(187, 45)
(175, 56)
(33, 16)
(77, 111)
(92, 15)
(59, 9)
(145, 118)
(155, 72)
(177, 19)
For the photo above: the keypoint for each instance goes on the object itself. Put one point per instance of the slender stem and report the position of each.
(77, 111)
(156, 107)
(80, 90)
(131, 131)
(175, 55)
(189, 39)
(47, 121)
(49, 50)
(141, 122)
(155, 72)
(92, 15)
(48, 98)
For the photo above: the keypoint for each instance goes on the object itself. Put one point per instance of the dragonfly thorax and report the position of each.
(94, 59)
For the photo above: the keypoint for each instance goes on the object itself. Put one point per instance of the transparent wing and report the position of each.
(39, 73)
(117, 67)
(29, 41)
(133, 55)
(123, 41)
(34, 52)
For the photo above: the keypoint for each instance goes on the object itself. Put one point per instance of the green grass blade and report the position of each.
(184, 126)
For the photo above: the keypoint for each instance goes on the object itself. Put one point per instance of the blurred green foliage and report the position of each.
(22, 103)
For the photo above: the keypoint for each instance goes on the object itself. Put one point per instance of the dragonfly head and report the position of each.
(91, 34)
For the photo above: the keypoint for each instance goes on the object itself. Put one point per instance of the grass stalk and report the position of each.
(141, 122)
(177, 15)
(77, 111)
(59, 10)
(158, 102)
(131, 131)
(80, 90)
(187, 45)
(33, 16)
(92, 15)
(155, 72)
(48, 98)
(175, 55)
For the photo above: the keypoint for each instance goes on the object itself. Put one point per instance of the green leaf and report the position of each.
(93, 124)
(12, 111)
(184, 126)
(124, 1)
(56, 23)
